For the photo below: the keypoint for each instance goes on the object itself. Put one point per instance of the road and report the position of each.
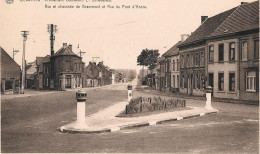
(31, 124)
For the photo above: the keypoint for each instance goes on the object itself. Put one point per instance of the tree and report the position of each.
(148, 58)
(152, 58)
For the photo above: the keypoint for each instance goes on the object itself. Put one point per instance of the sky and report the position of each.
(116, 36)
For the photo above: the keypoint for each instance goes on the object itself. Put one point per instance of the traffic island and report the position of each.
(106, 120)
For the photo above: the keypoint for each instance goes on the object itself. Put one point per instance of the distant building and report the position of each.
(42, 72)
(172, 61)
(106, 78)
(161, 74)
(91, 75)
(31, 71)
(10, 73)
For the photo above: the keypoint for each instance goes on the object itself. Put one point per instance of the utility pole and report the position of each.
(52, 29)
(94, 58)
(24, 34)
(14, 52)
(80, 52)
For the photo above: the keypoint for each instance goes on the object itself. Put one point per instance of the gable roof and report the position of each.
(172, 51)
(207, 27)
(65, 51)
(3, 52)
(246, 17)
(93, 65)
(40, 60)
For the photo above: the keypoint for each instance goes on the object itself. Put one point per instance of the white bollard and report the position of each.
(208, 97)
(130, 93)
(81, 97)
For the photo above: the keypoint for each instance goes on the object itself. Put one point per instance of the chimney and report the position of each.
(70, 46)
(64, 45)
(242, 3)
(90, 62)
(203, 18)
(184, 37)
(94, 63)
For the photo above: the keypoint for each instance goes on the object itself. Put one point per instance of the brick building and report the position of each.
(91, 75)
(68, 68)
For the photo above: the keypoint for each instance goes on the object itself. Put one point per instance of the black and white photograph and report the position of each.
(129, 76)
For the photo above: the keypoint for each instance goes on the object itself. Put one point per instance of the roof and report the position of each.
(172, 51)
(40, 60)
(94, 65)
(207, 27)
(246, 17)
(160, 59)
(4, 52)
(65, 50)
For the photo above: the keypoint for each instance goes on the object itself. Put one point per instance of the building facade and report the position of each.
(67, 70)
(192, 55)
(233, 55)
(92, 75)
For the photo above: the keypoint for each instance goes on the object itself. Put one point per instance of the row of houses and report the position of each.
(69, 71)
(223, 52)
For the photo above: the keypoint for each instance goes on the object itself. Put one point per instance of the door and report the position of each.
(68, 82)
(211, 81)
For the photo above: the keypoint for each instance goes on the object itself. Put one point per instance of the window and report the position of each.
(191, 59)
(194, 82)
(231, 81)
(232, 52)
(185, 83)
(198, 81)
(182, 61)
(178, 65)
(188, 60)
(177, 85)
(173, 79)
(243, 54)
(47, 81)
(221, 52)
(173, 65)
(201, 59)
(251, 81)
(220, 81)
(256, 50)
(211, 53)
(196, 59)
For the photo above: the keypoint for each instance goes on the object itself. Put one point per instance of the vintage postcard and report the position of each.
(129, 76)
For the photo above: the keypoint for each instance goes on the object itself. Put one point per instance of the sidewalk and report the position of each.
(149, 90)
(28, 93)
(106, 121)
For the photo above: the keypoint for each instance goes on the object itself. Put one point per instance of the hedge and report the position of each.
(141, 104)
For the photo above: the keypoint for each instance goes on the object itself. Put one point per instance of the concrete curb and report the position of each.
(137, 125)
